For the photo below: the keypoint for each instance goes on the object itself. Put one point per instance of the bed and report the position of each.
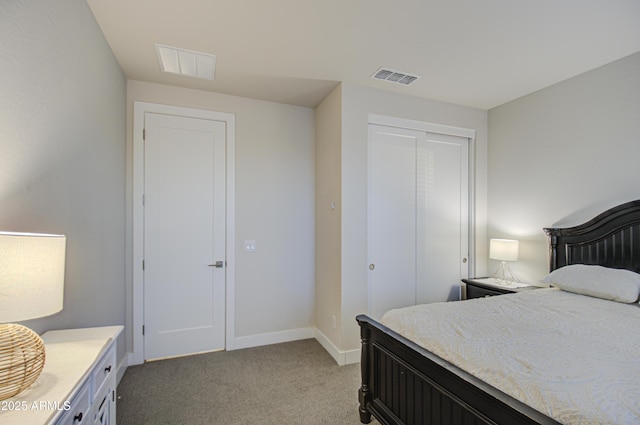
(405, 383)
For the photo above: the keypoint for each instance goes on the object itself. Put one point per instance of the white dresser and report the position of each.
(77, 385)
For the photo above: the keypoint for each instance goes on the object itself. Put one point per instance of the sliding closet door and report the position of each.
(442, 222)
(392, 218)
(417, 217)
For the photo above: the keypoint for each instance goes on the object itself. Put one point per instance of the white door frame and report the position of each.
(452, 131)
(140, 108)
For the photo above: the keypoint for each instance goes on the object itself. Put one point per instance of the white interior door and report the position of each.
(184, 235)
(417, 217)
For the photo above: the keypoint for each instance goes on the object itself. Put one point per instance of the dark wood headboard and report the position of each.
(612, 239)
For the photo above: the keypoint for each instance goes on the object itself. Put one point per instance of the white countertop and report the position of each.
(70, 356)
(503, 283)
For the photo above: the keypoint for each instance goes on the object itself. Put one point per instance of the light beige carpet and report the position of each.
(291, 383)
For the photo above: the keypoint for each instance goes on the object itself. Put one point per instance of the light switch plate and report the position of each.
(249, 246)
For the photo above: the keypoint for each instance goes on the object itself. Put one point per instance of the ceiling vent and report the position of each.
(394, 76)
(186, 62)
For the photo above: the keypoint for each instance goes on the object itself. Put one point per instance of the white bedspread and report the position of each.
(572, 357)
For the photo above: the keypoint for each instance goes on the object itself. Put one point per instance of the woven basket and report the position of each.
(21, 359)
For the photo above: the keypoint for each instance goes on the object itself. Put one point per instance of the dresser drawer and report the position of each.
(103, 372)
(488, 287)
(480, 292)
(78, 413)
(102, 407)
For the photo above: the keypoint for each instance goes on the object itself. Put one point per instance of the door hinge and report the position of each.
(142, 264)
(143, 199)
(144, 134)
(142, 329)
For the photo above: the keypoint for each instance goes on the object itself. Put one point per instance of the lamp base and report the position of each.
(21, 358)
(504, 273)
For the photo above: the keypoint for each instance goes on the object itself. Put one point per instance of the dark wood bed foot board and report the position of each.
(365, 416)
(403, 384)
(364, 394)
(405, 396)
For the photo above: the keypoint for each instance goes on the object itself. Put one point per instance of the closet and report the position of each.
(418, 215)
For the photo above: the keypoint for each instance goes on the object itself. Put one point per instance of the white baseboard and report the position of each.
(341, 357)
(122, 368)
(272, 338)
(247, 342)
(134, 359)
(353, 356)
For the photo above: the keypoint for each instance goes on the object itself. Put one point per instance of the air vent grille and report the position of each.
(186, 62)
(394, 76)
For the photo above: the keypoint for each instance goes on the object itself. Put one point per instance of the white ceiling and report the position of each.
(478, 53)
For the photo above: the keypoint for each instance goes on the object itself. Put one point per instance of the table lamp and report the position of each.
(503, 250)
(31, 286)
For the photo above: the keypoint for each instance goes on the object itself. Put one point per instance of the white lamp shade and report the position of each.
(31, 275)
(503, 249)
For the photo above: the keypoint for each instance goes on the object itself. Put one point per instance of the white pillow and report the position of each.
(597, 281)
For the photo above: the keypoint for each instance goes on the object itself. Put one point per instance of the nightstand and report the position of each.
(488, 287)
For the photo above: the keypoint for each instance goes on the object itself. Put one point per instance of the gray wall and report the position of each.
(274, 205)
(557, 156)
(347, 297)
(358, 103)
(562, 155)
(62, 150)
(328, 217)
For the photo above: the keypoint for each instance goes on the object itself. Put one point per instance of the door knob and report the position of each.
(217, 264)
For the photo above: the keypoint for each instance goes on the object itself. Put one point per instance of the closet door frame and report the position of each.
(469, 134)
